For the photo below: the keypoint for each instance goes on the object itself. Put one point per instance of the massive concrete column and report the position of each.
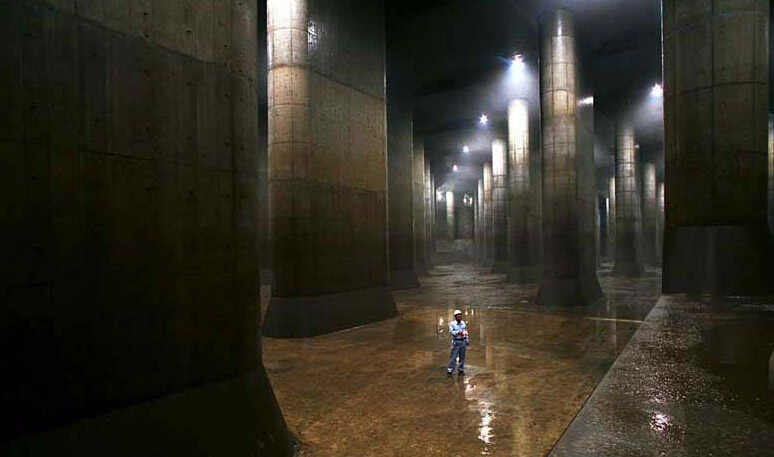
(450, 222)
(521, 193)
(328, 170)
(429, 215)
(420, 195)
(480, 237)
(434, 210)
(716, 62)
(649, 214)
(129, 322)
(429, 194)
(628, 256)
(660, 224)
(488, 216)
(500, 261)
(611, 226)
(400, 183)
(567, 278)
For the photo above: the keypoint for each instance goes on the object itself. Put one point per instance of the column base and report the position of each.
(523, 275)
(569, 292)
(235, 417)
(300, 317)
(628, 269)
(500, 266)
(724, 260)
(403, 279)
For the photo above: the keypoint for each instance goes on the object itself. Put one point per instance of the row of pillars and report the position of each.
(634, 211)
(563, 196)
(342, 238)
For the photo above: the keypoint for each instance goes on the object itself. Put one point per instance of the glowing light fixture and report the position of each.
(657, 91)
(455, 168)
(483, 120)
(465, 149)
(588, 101)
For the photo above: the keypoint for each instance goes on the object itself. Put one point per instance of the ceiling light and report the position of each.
(455, 168)
(588, 101)
(483, 120)
(465, 149)
(657, 91)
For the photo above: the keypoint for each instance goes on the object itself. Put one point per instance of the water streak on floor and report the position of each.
(382, 389)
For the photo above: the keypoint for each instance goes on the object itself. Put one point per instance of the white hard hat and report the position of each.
(456, 311)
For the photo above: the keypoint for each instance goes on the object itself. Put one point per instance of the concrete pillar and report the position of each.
(660, 224)
(480, 237)
(771, 173)
(500, 263)
(536, 201)
(130, 320)
(628, 257)
(430, 216)
(434, 218)
(716, 64)
(521, 193)
(420, 248)
(264, 239)
(649, 214)
(606, 229)
(587, 201)
(450, 222)
(567, 278)
(429, 196)
(400, 185)
(488, 216)
(328, 170)
(464, 217)
(611, 226)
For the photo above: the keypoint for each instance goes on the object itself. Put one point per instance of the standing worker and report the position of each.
(459, 333)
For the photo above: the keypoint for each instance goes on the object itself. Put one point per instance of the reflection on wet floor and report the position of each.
(695, 380)
(382, 389)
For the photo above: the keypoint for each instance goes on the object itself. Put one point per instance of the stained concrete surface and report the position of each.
(697, 379)
(382, 389)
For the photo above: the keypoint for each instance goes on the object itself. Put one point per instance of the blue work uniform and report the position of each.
(458, 344)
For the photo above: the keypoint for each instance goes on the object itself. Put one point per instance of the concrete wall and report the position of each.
(128, 160)
(327, 166)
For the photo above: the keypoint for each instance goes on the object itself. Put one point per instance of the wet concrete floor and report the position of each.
(382, 389)
(697, 379)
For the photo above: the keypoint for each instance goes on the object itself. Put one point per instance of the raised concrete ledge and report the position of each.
(690, 382)
(301, 317)
(404, 279)
(569, 292)
(237, 417)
